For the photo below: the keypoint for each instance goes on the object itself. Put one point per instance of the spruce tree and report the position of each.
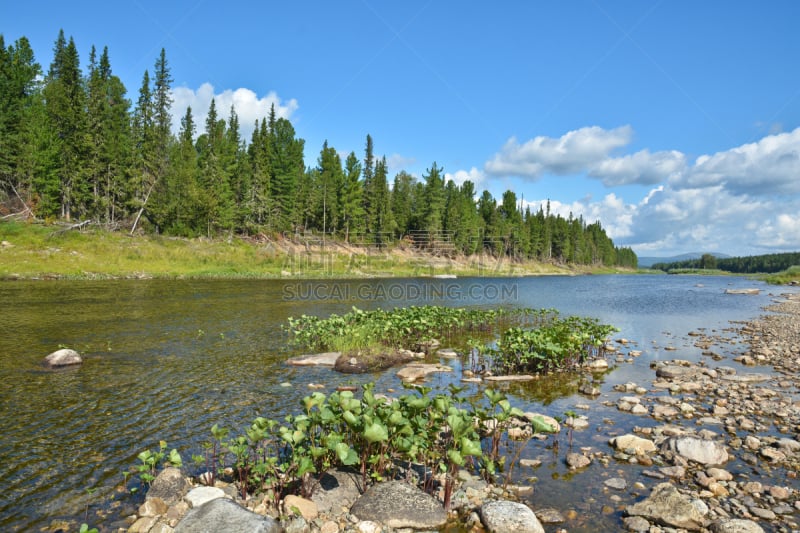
(350, 201)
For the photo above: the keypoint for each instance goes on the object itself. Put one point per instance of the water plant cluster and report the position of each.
(422, 437)
(531, 340)
(557, 344)
(402, 327)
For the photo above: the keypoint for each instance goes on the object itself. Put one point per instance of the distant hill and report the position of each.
(647, 262)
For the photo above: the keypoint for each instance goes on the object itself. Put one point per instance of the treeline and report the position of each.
(74, 146)
(754, 264)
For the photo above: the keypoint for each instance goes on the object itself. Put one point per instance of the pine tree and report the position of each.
(259, 202)
(288, 168)
(368, 171)
(329, 190)
(382, 222)
(216, 199)
(350, 201)
(66, 110)
(434, 200)
(402, 202)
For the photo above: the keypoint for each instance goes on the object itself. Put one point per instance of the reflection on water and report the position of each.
(168, 359)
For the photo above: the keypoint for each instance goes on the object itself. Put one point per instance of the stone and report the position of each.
(169, 485)
(773, 455)
(672, 371)
(550, 515)
(200, 495)
(368, 526)
(637, 524)
(143, 525)
(589, 390)
(398, 504)
(153, 507)
(736, 525)
(597, 365)
(502, 516)
(511, 377)
(337, 490)
(63, 357)
(329, 527)
(306, 508)
(226, 515)
(632, 444)
(719, 474)
(667, 506)
(616, 483)
(416, 371)
(447, 353)
(319, 359)
(577, 460)
(703, 451)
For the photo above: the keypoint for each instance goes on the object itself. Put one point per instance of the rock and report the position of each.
(597, 365)
(632, 444)
(225, 515)
(667, 506)
(637, 524)
(447, 353)
(706, 452)
(337, 490)
(672, 371)
(511, 377)
(736, 525)
(169, 485)
(501, 516)
(589, 390)
(306, 508)
(200, 495)
(742, 291)
(549, 515)
(368, 526)
(143, 525)
(577, 460)
(153, 507)
(416, 371)
(616, 483)
(398, 504)
(320, 359)
(63, 357)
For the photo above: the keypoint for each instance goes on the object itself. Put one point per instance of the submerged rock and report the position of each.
(319, 359)
(63, 357)
(416, 371)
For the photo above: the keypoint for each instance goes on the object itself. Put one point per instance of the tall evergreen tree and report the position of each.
(402, 202)
(350, 200)
(287, 168)
(368, 171)
(217, 198)
(434, 200)
(382, 222)
(65, 99)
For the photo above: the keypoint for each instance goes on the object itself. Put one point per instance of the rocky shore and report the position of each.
(715, 448)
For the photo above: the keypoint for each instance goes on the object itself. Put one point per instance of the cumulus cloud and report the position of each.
(474, 175)
(643, 167)
(573, 152)
(397, 162)
(248, 105)
(767, 167)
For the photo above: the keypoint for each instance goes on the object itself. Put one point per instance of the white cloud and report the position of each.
(573, 152)
(397, 162)
(248, 105)
(768, 167)
(642, 167)
(474, 175)
(781, 231)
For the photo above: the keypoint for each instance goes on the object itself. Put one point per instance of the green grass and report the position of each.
(789, 276)
(37, 251)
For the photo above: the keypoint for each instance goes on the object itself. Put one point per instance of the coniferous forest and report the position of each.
(76, 146)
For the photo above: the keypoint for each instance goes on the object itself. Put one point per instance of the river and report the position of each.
(168, 359)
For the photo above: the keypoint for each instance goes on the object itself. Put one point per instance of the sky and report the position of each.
(676, 124)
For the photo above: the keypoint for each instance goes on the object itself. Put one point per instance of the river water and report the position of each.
(168, 359)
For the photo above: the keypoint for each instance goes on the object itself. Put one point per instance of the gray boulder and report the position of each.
(398, 505)
(169, 485)
(703, 451)
(63, 357)
(502, 516)
(228, 516)
(736, 525)
(667, 506)
(337, 489)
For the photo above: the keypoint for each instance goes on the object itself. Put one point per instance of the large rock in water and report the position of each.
(397, 504)
(63, 357)
(226, 515)
(703, 451)
(169, 485)
(502, 516)
(668, 507)
(337, 489)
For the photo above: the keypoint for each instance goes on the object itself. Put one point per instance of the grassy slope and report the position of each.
(40, 251)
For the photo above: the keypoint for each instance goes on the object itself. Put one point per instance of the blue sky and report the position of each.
(674, 123)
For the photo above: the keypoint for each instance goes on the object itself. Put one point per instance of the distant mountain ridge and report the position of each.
(647, 262)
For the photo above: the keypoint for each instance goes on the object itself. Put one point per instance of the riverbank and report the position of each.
(37, 251)
(716, 449)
